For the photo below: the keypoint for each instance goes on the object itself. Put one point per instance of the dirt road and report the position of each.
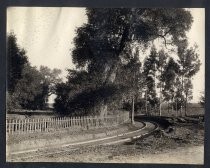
(38, 154)
(190, 155)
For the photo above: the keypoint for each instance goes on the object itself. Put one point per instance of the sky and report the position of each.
(47, 33)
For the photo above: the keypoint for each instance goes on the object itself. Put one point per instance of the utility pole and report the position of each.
(160, 107)
(146, 101)
(132, 111)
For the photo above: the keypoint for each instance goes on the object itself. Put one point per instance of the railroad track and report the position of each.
(146, 129)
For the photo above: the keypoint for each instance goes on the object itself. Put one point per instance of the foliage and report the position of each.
(189, 65)
(16, 58)
(104, 48)
(202, 100)
(150, 68)
(28, 87)
(30, 90)
(50, 78)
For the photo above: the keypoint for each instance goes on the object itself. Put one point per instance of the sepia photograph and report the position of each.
(105, 85)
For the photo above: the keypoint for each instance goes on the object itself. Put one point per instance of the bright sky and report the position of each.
(47, 35)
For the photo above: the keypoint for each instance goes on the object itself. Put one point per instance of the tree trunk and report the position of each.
(103, 110)
(168, 108)
(181, 96)
(146, 102)
(186, 105)
(109, 78)
(160, 107)
(132, 111)
(111, 67)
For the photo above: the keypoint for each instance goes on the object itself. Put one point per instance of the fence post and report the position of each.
(35, 124)
(73, 121)
(80, 121)
(62, 122)
(11, 126)
(39, 125)
(32, 125)
(56, 123)
(26, 125)
(77, 121)
(16, 122)
(66, 121)
(8, 126)
(69, 125)
(93, 121)
(45, 125)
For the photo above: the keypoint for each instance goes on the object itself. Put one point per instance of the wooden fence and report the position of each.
(56, 123)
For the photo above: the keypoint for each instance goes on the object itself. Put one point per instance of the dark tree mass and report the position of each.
(109, 74)
(107, 58)
(27, 87)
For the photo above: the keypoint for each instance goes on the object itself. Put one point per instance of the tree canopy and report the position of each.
(106, 43)
(27, 86)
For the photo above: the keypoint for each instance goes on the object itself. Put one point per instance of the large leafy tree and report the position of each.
(16, 59)
(27, 87)
(109, 32)
(30, 90)
(50, 78)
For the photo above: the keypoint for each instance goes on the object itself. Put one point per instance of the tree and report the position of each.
(202, 100)
(99, 44)
(171, 81)
(187, 88)
(149, 71)
(189, 65)
(30, 91)
(16, 59)
(130, 77)
(51, 78)
(28, 88)
(161, 63)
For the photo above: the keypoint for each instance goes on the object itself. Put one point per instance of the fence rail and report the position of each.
(18, 126)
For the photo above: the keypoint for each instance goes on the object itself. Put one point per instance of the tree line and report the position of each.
(27, 86)
(109, 74)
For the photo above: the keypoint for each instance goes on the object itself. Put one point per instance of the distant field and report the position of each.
(23, 114)
(192, 109)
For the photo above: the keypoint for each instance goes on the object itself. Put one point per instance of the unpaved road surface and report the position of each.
(184, 146)
(57, 151)
(190, 155)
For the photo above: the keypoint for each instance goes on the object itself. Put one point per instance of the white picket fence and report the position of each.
(18, 126)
